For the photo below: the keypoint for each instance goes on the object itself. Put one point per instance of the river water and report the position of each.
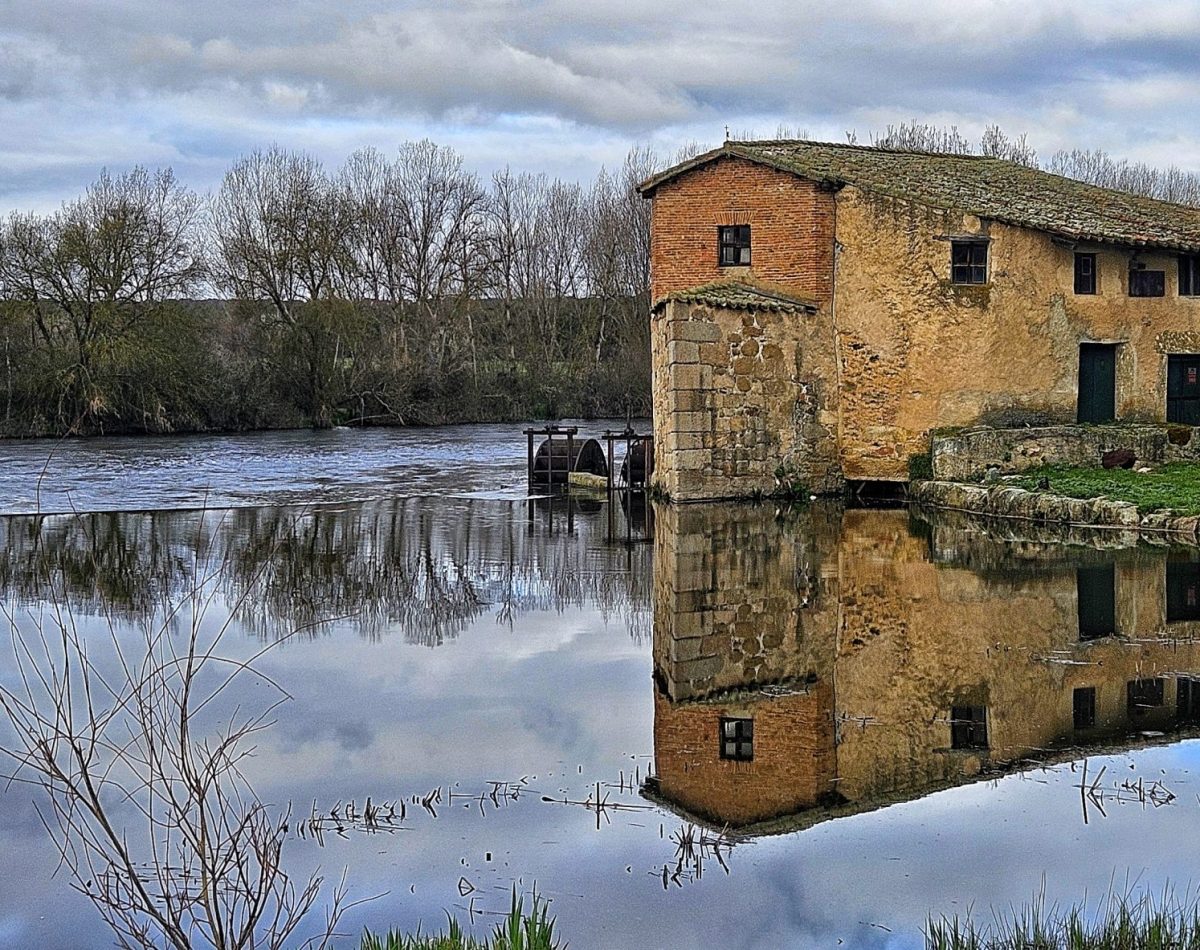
(809, 728)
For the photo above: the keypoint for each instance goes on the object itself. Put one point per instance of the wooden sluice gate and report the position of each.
(562, 454)
(565, 460)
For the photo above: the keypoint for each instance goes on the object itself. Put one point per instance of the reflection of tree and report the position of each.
(427, 567)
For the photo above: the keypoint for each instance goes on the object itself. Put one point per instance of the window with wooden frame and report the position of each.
(968, 727)
(968, 262)
(1085, 273)
(733, 241)
(1189, 275)
(737, 739)
(1147, 283)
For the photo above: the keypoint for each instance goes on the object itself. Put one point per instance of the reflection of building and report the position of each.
(848, 659)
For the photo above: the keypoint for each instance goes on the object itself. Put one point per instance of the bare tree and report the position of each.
(617, 254)
(115, 730)
(996, 144)
(1097, 167)
(921, 137)
(280, 231)
(441, 215)
(512, 247)
(94, 271)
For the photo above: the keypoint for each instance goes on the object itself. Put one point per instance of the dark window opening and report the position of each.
(1183, 389)
(1187, 699)
(734, 241)
(737, 739)
(1142, 695)
(1183, 591)
(1147, 283)
(1189, 275)
(1097, 591)
(968, 727)
(1084, 702)
(968, 262)
(1085, 273)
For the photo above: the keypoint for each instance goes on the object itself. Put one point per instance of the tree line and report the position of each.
(391, 290)
(397, 289)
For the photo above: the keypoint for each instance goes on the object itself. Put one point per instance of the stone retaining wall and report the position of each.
(1003, 501)
(968, 455)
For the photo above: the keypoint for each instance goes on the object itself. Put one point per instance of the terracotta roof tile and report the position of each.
(739, 295)
(990, 188)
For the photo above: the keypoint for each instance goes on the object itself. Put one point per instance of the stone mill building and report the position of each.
(820, 309)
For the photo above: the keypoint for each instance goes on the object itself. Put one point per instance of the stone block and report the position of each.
(697, 331)
(682, 351)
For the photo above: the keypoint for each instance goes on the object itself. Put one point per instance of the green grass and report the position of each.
(518, 931)
(1121, 923)
(1175, 486)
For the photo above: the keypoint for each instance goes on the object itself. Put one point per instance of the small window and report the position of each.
(737, 739)
(968, 727)
(1142, 695)
(1189, 275)
(1147, 283)
(1085, 273)
(968, 262)
(1084, 701)
(734, 241)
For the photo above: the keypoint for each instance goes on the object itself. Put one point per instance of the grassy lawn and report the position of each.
(1175, 486)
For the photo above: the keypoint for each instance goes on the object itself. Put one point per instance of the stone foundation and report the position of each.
(742, 405)
(968, 455)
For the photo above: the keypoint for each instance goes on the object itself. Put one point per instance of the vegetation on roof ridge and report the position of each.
(1012, 190)
(872, 147)
(738, 294)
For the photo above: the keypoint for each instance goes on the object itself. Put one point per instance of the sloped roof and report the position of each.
(738, 295)
(987, 187)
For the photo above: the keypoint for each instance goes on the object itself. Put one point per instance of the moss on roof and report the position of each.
(739, 295)
(990, 188)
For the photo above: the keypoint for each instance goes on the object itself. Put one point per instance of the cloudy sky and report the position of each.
(564, 86)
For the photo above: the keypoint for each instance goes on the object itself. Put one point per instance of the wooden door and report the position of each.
(1097, 587)
(1097, 382)
(1183, 389)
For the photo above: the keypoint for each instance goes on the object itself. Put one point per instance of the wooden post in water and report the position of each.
(529, 464)
(570, 446)
(608, 437)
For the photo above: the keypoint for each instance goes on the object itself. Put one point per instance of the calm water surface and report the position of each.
(808, 728)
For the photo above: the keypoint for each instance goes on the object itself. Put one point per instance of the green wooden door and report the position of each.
(1183, 389)
(1097, 587)
(1097, 382)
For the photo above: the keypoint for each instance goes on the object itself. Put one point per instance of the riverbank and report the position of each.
(1050, 507)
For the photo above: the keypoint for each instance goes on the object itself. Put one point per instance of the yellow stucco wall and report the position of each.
(916, 352)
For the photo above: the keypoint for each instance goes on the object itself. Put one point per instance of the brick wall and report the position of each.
(791, 228)
(793, 764)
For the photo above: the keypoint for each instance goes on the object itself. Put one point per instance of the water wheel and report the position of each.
(551, 462)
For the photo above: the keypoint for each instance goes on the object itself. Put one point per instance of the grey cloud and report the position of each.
(84, 85)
